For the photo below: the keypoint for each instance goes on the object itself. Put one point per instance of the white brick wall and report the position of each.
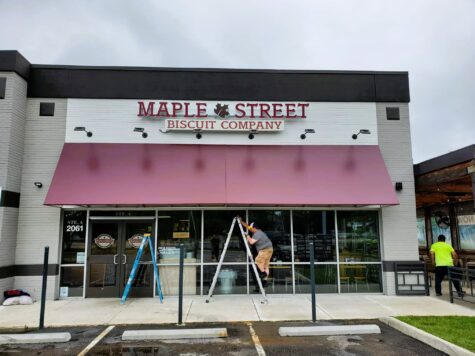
(5, 284)
(39, 225)
(12, 130)
(8, 233)
(389, 283)
(399, 226)
(32, 285)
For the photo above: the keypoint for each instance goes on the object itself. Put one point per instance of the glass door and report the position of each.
(103, 261)
(113, 247)
(142, 285)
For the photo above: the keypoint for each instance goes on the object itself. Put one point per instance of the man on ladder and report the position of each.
(261, 244)
(264, 249)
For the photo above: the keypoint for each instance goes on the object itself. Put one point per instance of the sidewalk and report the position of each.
(80, 312)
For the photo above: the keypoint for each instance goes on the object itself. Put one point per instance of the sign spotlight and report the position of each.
(82, 128)
(198, 133)
(362, 131)
(142, 130)
(307, 131)
(252, 133)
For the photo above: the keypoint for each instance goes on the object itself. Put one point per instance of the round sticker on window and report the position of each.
(104, 241)
(135, 240)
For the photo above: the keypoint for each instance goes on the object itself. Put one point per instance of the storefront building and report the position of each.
(92, 158)
(445, 186)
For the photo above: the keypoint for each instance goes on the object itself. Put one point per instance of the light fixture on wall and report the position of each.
(252, 133)
(142, 130)
(38, 184)
(199, 134)
(362, 131)
(398, 186)
(82, 128)
(307, 131)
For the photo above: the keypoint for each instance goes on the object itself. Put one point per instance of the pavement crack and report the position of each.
(255, 308)
(188, 311)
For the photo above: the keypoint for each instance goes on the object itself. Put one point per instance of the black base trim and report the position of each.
(27, 270)
(390, 266)
(7, 272)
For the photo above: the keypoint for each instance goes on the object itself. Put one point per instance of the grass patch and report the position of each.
(459, 330)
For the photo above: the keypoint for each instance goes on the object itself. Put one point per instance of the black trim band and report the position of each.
(60, 81)
(389, 266)
(7, 272)
(13, 61)
(9, 199)
(203, 84)
(27, 270)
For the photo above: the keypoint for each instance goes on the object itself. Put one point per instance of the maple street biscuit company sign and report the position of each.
(104, 241)
(240, 116)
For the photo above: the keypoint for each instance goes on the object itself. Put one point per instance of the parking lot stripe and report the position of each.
(96, 340)
(255, 339)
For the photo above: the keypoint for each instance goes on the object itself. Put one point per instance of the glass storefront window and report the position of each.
(466, 225)
(279, 282)
(467, 231)
(72, 281)
(174, 228)
(276, 225)
(440, 225)
(325, 279)
(358, 236)
(74, 236)
(421, 232)
(232, 279)
(114, 243)
(216, 228)
(317, 227)
(360, 278)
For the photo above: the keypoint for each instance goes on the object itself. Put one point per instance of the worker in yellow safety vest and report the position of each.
(443, 256)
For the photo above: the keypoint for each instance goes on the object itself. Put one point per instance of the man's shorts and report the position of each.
(263, 258)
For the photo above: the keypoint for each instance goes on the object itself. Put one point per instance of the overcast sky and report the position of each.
(433, 40)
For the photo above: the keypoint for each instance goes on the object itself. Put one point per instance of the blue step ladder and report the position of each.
(146, 239)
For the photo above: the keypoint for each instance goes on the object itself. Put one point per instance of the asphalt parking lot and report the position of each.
(238, 343)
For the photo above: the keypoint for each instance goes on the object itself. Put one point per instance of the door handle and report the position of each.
(125, 259)
(115, 259)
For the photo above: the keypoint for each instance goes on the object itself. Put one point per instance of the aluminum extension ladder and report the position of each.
(249, 254)
(146, 239)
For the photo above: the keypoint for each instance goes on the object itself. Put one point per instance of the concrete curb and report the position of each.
(328, 330)
(426, 338)
(44, 338)
(173, 334)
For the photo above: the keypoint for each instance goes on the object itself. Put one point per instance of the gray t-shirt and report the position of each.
(262, 240)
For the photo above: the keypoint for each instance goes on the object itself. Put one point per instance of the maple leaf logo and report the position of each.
(221, 110)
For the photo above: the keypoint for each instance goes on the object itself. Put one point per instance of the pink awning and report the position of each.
(158, 175)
